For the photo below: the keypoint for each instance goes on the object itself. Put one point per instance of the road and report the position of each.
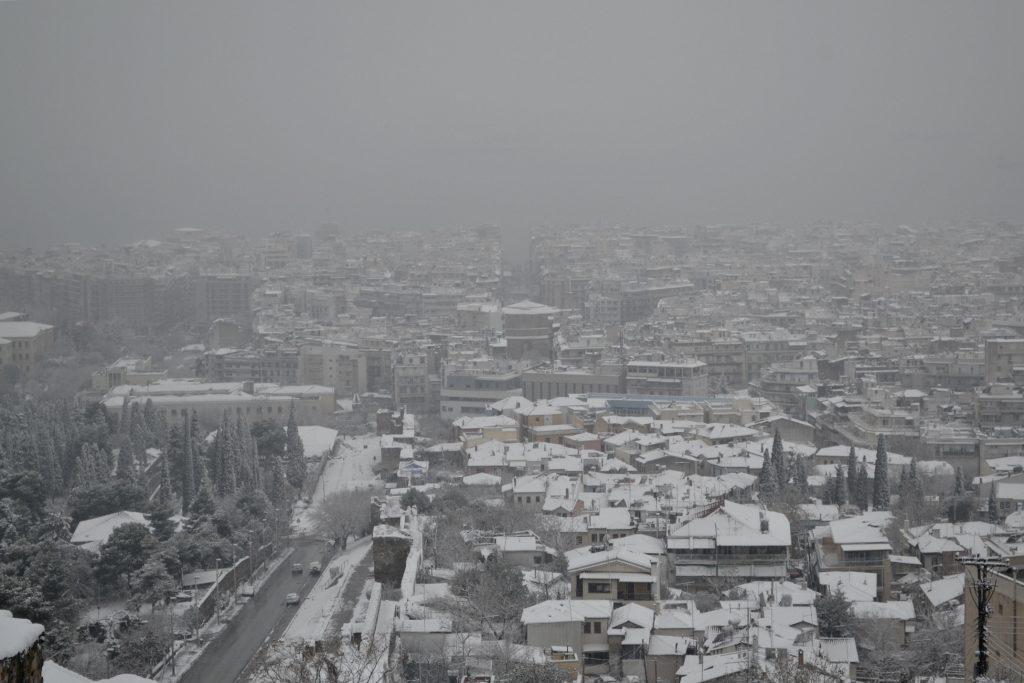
(264, 616)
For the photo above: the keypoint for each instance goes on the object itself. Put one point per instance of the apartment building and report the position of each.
(667, 378)
(25, 344)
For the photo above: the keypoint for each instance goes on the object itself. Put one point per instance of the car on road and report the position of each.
(315, 568)
(291, 599)
(297, 568)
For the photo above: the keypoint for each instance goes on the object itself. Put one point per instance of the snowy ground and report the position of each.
(317, 440)
(352, 468)
(312, 620)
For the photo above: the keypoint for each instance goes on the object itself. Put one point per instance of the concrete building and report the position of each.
(1004, 360)
(335, 365)
(529, 329)
(548, 384)
(126, 371)
(666, 378)
(24, 344)
(469, 391)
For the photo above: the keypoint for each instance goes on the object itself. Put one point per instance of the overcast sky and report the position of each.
(124, 119)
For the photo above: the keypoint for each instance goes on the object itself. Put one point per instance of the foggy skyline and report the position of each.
(123, 120)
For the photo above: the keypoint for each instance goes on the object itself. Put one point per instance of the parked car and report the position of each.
(297, 568)
(315, 568)
(291, 599)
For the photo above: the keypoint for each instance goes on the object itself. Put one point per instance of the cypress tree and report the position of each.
(779, 459)
(126, 460)
(863, 496)
(840, 493)
(188, 482)
(958, 482)
(296, 453)
(993, 505)
(880, 494)
(768, 486)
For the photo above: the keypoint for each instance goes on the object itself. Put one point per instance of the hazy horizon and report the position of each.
(123, 120)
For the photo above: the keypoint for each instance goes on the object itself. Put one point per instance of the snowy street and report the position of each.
(352, 468)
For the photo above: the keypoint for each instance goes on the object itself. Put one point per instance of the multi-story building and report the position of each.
(998, 405)
(529, 330)
(1004, 360)
(469, 391)
(687, 377)
(412, 384)
(789, 384)
(24, 344)
(335, 365)
(730, 541)
(547, 384)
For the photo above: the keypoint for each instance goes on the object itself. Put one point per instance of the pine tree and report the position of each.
(839, 494)
(162, 508)
(863, 495)
(880, 494)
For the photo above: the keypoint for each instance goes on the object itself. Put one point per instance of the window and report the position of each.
(600, 587)
(586, 627)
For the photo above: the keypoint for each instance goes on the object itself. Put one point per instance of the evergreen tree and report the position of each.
(152, 423)
(840, 493)
(863, 495)
(188, 483)
(278, 489)
(851, 470)
(162, 507)
(993, 505)
(50, 469)
(768, 486)
(202, 505)
(958, 482)
(124, 420)
(779, 459)
(880, 494)
(801, 476)
(126, 460)
(296, 453)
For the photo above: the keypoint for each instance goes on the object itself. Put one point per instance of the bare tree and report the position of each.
(331, 662)
(344, 513)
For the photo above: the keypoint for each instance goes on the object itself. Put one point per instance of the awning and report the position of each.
(858, 547)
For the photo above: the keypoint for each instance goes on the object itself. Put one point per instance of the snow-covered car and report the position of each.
(315, 568)
(291, 599)
(297, 568)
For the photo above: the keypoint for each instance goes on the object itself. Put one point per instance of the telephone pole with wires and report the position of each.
(982, 588)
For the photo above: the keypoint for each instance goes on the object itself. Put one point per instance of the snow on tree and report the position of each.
(880, 494)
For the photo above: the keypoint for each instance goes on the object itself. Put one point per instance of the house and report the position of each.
(731, 541)
(579, 624)
(893, 619)
(854, 586)
(854, 544)
(610, 523)
(91, 534)
(616, 574)
(524, 550)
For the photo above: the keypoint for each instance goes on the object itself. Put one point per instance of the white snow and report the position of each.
(351, 468)
(312, 620)
(16, 635)
(317, 440)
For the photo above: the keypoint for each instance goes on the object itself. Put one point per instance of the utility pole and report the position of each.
(982, 592)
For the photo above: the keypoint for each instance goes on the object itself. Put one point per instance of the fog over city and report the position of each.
(122, 119)
(523, 342)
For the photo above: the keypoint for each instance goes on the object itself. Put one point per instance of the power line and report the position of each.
(982, 592)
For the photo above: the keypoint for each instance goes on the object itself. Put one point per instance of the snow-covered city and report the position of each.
(576, 342)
